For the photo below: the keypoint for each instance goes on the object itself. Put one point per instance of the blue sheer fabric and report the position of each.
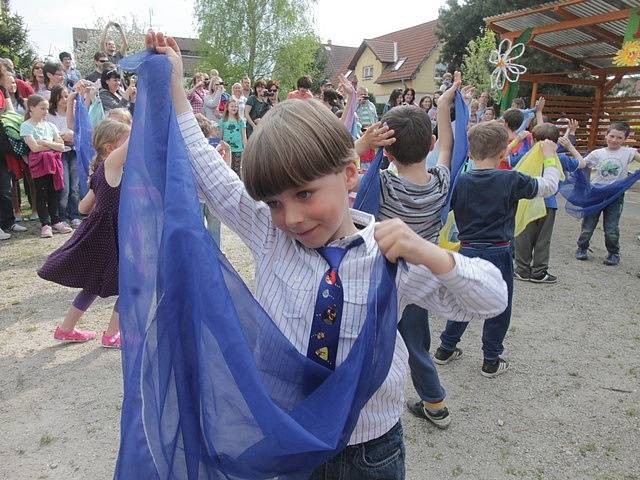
(83, 143)
(460, 151)
(368, 197)
(212, 388)
(369, 190)
(585, 198)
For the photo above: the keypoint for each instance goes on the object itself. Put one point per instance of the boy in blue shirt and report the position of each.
(298, 169)
(484, 203)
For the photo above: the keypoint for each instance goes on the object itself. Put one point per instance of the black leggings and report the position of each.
(47, 200)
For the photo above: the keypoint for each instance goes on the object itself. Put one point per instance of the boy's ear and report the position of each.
(389, 155)
(351, 173)
(433, 142)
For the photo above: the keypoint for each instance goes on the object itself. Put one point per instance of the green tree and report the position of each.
(476, 69)
(247, 36)
(84, 52)
(300, 56)
(14, 41)
(459, 23)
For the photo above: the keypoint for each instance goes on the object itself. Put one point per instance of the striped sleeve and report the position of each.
(473, 290)
(222, 190)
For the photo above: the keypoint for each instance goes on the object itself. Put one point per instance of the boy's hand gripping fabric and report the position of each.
(212, 388)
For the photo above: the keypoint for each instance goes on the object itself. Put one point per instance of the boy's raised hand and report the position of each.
(377, 135)
(549, 148)
(450, 93)
(167, 45)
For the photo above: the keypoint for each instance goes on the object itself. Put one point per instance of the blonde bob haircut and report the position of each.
(296, 142)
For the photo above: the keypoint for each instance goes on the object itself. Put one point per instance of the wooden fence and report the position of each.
(612, 109)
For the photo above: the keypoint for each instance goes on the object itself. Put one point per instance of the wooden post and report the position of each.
(595, 118)
(534, 94)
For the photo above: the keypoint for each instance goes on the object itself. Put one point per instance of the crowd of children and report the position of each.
(285, 192)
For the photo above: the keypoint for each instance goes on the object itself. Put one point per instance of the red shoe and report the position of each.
(111, 341)
(76, 336)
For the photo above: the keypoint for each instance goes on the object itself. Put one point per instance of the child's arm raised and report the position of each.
(454, 286)
(566, 143)
(222, 190)
(114, 164)
(445, 133)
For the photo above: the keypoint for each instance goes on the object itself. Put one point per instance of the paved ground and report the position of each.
(568, 409)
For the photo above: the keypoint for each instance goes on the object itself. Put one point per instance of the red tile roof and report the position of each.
(337, 63)
(415, 44)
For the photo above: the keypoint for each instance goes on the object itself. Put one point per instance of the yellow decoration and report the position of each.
(628, 55)
(530, 210)
(444, 238)
(323, 353)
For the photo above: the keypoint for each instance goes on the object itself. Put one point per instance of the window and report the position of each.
(367, 73)
(399, 64)
(440, 70)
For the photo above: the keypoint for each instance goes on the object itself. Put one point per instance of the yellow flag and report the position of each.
(530, 210)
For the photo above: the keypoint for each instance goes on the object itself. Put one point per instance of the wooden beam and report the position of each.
(598, 57)
(615, 70)
(579, 22)
(595, 119)
(611, 83)
(521, 13)
(534, 94)
(559, 80)
(602, 33)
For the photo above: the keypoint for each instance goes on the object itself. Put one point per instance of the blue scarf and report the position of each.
(212, 388)
(368, 197)
(586, 198)
(83, 143)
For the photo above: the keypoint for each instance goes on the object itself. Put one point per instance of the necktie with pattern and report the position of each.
(327, 315)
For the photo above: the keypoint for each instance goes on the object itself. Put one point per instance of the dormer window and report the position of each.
(367, 72)
(399, 64)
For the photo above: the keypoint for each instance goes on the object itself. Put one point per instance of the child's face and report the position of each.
(39, 111)
(233, 108)
(615, 139)
(318, 212)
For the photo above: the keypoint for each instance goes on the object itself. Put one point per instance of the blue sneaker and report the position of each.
(612, 259)
(581, 254)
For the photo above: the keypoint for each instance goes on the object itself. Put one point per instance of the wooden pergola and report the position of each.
(587, 34)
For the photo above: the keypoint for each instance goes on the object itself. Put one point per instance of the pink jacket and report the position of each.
(48, 162)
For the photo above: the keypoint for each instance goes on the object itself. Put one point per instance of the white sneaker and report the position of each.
(4, 235)
(75, 223)
(16, 227)
(46, 232)
(61, 227)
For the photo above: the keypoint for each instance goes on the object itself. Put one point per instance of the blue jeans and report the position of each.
(69, 197)
(379, 459)
(414, 328)
(213, 224)
(610, 221)
(495, 328)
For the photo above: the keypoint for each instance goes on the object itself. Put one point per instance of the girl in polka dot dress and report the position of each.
(89, 259)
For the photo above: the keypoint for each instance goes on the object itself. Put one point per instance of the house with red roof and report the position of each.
(407, 58)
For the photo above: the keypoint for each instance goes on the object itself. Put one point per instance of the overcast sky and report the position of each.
(50, 24)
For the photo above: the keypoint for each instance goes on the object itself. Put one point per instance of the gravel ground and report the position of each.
(569, 408)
